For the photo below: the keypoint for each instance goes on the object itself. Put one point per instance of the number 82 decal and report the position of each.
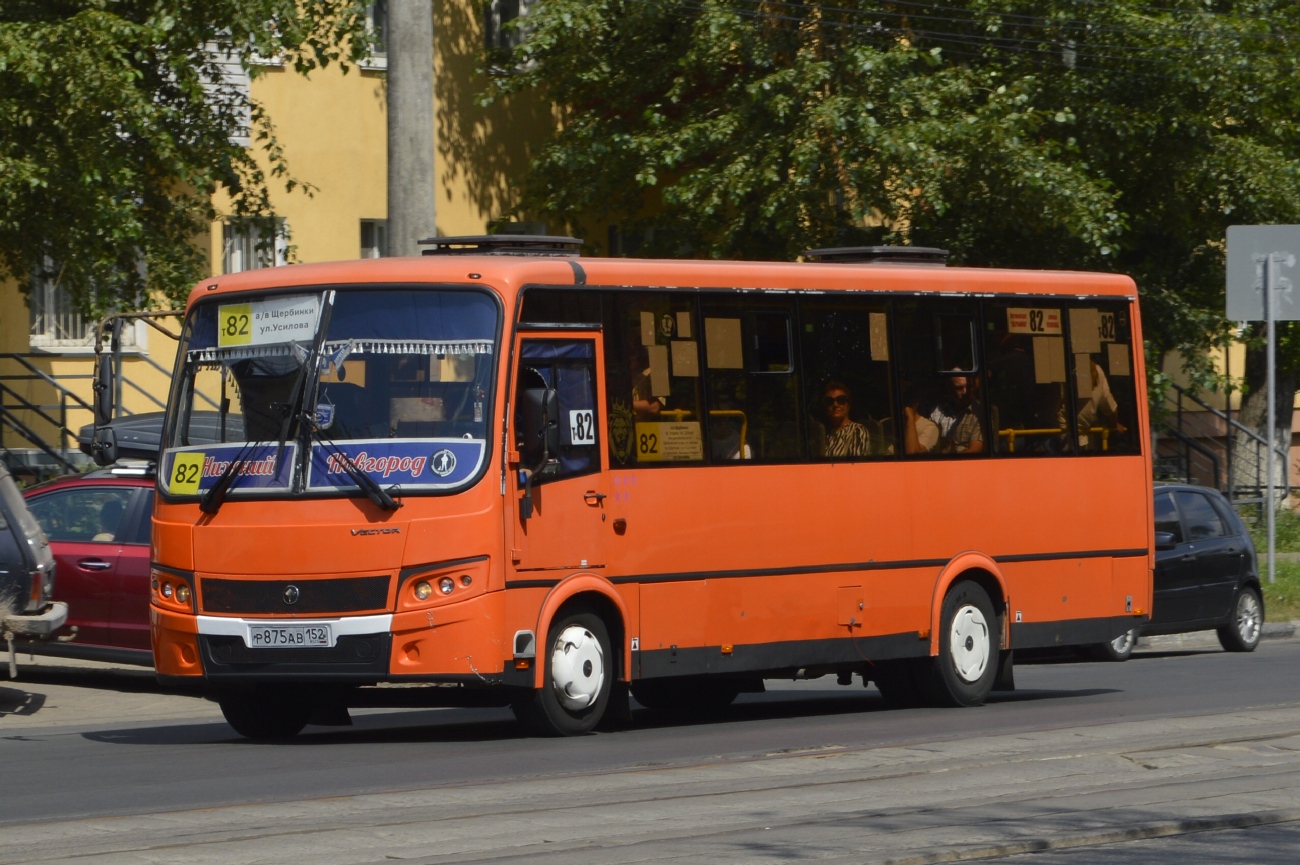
(582, 427)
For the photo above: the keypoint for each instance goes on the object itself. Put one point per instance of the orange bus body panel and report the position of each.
(709, 556)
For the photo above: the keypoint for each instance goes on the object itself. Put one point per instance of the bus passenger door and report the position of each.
(565, 529)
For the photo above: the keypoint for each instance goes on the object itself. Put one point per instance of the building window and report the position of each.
(250, 244)
(374, 238)
(503, 29)
(377, 31)
(58, 325)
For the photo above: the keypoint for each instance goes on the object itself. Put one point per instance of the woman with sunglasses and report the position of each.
(844, 437)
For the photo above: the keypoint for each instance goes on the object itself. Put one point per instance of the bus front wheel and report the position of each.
(968, 647)
(576, 682)
(263, 713)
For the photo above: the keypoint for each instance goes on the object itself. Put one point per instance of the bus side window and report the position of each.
(847, 386)
(1024, 346)
(1101, 376)
(752, 385)
(569, 367)
(940, 378)
(653, 380)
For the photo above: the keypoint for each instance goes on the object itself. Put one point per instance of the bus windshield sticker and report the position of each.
(683, 325)
(669, 442)
(723, 344)
(415, 464)
(1106, 329)
(658, 355)
(878, 325)
(1085, 330)
(647, 328)
(268, 321)
(192, 470)
(1039, 322)
(686, 358)
(1049, 360)
(582, 427)
(1083, 379)
(1118, 358)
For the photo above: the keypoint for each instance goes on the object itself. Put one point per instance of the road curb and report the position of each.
(1135, 833)
(1204, 639)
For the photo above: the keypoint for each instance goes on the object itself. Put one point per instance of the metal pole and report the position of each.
(1270, 364)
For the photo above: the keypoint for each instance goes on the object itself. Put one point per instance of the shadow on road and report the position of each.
(15, 701)
(486, 725)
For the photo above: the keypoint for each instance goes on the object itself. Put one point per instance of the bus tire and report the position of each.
(967, 664)
(576, 682)
(264, 713)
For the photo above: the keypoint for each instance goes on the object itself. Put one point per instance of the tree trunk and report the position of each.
(1249, 460)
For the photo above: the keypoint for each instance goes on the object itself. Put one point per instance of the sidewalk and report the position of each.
(52, 693)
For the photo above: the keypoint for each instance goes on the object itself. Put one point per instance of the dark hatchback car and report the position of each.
(98, 524)
(27, 569)
(1206, 573)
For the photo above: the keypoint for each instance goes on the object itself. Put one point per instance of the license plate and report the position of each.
(289, 636)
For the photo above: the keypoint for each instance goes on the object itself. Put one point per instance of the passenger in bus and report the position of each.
(844, 437)
(1100, 412)
(645, 404)
(955, 417)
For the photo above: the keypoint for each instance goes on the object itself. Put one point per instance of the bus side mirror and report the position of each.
(540, 426)
(103, 449)
(103, 388)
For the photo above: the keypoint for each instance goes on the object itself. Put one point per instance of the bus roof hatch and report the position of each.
(503, 244)
(926, 255)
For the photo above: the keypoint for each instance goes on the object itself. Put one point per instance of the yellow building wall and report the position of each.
(333, 129)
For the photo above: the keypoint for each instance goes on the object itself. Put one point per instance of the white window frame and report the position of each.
(240, 238)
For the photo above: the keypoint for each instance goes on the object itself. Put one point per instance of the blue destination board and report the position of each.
(415, 464)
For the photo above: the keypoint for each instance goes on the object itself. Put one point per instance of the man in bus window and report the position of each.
(1101, 411)
(956, 420)
(844, 437)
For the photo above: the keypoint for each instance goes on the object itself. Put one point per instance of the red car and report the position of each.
(98, 527)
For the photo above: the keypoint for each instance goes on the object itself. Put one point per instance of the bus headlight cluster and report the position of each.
(183, 593)
(424, 589)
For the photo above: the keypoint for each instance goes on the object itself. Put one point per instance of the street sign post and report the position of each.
(1260, 259)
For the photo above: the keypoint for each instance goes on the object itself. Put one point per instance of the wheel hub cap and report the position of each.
(970, 643)
(1248, 618)
(577, 668)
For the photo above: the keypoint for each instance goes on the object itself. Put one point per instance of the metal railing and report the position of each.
(51, 412)
(1198, 443)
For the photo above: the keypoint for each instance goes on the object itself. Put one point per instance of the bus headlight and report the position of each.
(423, 590)
(183, 593)
(447, 585)
(167, 590)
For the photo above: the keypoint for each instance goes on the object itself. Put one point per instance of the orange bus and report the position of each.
(547, 481)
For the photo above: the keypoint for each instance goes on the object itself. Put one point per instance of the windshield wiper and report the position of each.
(210, 502)
(374, 491)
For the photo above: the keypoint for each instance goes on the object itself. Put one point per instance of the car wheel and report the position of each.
(264, 713)
(1118, 649)
(1243, 632)
(967, 664)
(577, 680)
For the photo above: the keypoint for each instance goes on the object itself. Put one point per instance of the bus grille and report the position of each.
(346, 595)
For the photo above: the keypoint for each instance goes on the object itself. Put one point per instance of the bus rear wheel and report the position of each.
(577, 679)
(265, 713)
(967, 663)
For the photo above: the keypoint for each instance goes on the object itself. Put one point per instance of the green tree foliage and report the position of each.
(1077, 134)
(115, 131)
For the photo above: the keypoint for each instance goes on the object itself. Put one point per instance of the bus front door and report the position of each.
(563, 525)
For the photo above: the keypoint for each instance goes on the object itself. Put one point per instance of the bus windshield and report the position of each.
(296, 393)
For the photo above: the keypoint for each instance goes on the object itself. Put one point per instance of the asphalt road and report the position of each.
(809, 770)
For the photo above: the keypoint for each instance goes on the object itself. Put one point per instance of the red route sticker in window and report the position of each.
(1033, 320)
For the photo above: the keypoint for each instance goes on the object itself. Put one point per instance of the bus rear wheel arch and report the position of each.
(579, 667)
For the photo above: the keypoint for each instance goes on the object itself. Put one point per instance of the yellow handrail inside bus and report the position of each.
(1012, 434)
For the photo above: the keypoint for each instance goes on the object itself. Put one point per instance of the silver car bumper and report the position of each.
(40, 624)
